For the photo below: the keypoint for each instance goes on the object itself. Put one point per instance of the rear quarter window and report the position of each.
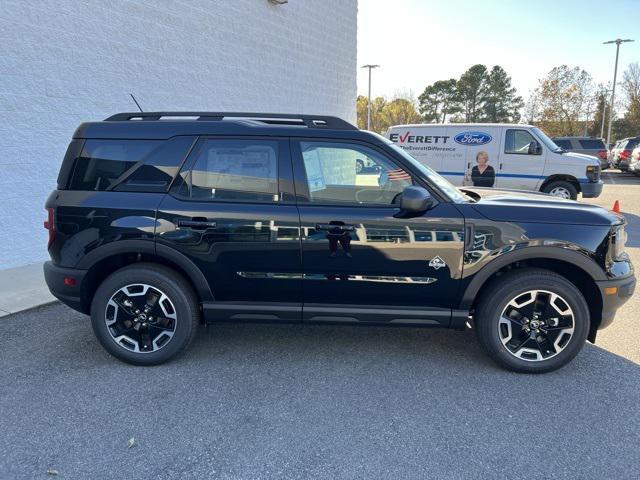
(566, 144)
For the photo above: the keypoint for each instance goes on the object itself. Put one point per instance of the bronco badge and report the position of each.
(437, 263)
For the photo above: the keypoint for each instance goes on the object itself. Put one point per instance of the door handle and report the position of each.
(328, 226)
(196, 224)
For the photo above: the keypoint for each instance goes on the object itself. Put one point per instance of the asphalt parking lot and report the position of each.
(294, 401)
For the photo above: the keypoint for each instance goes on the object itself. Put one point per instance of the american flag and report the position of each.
(398, 175)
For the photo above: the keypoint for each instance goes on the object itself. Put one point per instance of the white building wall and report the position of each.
(63, 62)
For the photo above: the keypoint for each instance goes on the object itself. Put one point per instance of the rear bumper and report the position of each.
(70, 295)
(591, 189)
(612, 299)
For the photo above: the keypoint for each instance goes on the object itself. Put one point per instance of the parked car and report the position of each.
(621, 153)
(586, 145)
(634, 161)
(519, 157)
(158, 225)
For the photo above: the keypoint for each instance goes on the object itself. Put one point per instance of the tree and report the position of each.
(500, 102)
(563, 100)
(532, 107)
(439, 100)
(399, 111)
(377, 105)
(472, 89)
(386, 113)
(595, 129)
(631, 89)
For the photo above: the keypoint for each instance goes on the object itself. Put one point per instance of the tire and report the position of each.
(176, 309)
(562, 189)
(359, 166)
(560, 345)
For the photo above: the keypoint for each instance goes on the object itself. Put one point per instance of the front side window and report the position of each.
(233, 170)
(351, 174)
(518, 142)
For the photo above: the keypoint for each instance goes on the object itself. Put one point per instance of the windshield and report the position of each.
(433, 176)
(546, 140)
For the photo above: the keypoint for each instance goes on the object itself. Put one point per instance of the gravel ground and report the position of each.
(298, 401)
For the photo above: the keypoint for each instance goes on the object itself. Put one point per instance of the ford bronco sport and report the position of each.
(162, 221)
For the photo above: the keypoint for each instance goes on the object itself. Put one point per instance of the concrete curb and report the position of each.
(23, 288)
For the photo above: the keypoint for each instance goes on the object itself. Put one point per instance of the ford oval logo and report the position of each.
(473, 138)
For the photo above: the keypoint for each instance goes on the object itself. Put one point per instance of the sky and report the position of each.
(417, 42)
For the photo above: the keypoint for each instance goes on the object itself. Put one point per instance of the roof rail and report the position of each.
(310, 121)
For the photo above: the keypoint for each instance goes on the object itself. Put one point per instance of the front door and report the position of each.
(232, 212)
(361, 262)
(521, 166)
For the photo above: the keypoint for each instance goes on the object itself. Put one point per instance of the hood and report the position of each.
(588, 159)
(533, 207)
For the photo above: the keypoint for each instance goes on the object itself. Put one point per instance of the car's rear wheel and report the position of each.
(145, 314)
(562, 189)
(532, 321)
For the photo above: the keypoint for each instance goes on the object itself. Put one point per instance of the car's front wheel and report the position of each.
(532, 321)
(145, 314)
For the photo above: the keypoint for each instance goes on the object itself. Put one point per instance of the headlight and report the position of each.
(618, 241)
(593, 173)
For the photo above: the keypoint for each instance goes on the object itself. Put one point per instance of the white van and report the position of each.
(501, 156)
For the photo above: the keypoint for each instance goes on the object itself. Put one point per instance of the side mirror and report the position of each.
(415, 200)
(535, 148)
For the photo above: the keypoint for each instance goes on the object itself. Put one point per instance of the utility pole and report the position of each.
(617, 41)
(369, 66)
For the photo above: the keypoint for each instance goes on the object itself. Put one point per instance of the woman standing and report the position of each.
(483, 174)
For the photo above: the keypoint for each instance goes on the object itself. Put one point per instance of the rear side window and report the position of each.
(103, 162)
(591, 144)
(129, 165)
(232, 170)
(566, 144)
(631, 144)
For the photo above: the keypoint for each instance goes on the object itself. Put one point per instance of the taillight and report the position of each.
(602, 154)
(49, 224)
(624, 154)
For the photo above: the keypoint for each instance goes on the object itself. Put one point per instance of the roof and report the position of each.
(469, 125)
(163, 125)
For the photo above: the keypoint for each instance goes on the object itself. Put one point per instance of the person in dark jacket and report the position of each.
(483, 174)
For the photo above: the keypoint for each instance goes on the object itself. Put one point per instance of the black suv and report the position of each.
(162, 221)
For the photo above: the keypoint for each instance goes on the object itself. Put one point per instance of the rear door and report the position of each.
(361, 261)
(520, 165)
(232, 212)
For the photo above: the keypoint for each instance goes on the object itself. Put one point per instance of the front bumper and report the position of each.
(614, 293)
(591, 189)
(70, 295)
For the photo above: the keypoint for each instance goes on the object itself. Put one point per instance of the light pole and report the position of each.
(617, 41)
(369, 66)
(604, 113)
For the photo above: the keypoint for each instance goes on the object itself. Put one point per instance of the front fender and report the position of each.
(559, 251)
